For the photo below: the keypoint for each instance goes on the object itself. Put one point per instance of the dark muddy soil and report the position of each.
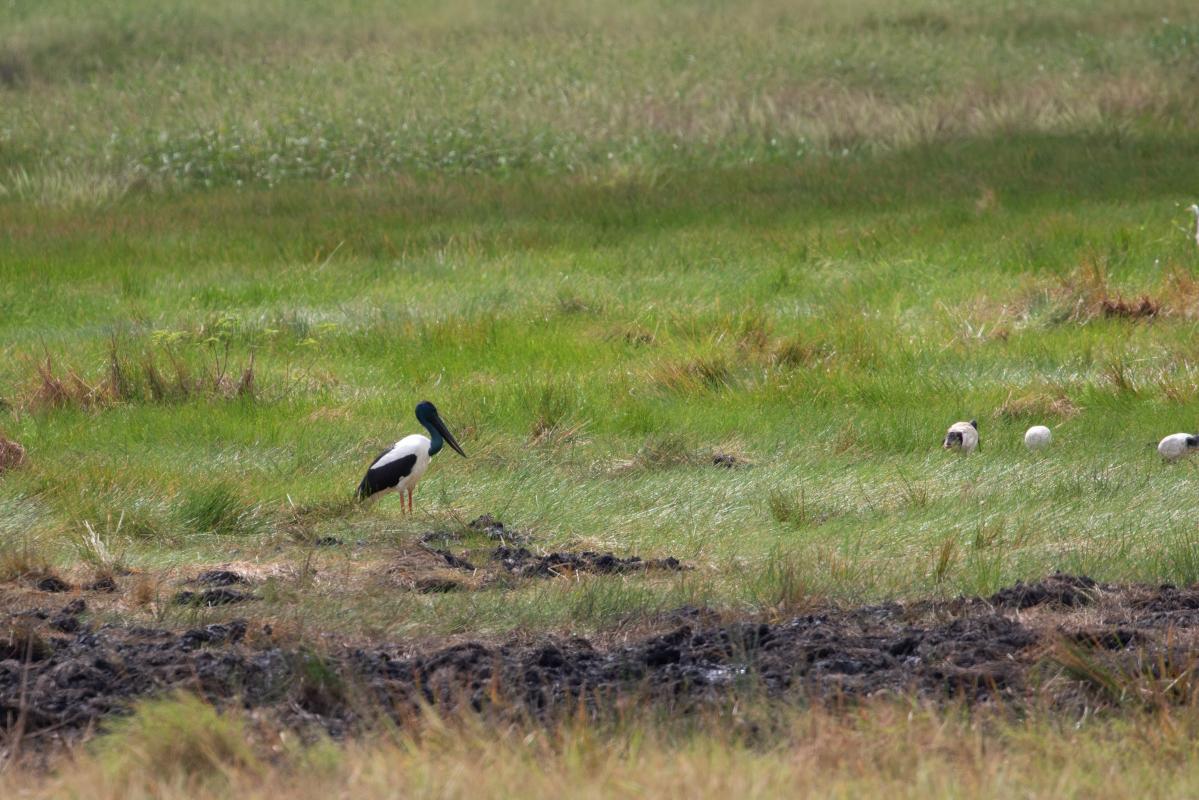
(512, 558)
(498, 531)
(213, 597)
(520, 561)
(59, 674)
(220, 577)
(1059, 589)
(485, 524)
(454, 561)
(104, 584)
(52, 584)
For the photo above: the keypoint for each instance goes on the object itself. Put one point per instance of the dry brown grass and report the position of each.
(831, 114)
(146, 591)
(12, 454)
(660, 452)
(545, 433)
(160, 377)
(633, 334)
(1180, 292)
(421, 570)
(1037, 404)
(21, 560)
(179, 748)
(1179, 385)
(1142, 307)
(797, 351)
(1087, 293)
(847, 438)
(700, 373)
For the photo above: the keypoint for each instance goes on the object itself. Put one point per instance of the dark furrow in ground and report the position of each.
(59, 677)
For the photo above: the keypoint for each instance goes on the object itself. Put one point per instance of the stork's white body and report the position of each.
(414, 445)
(969, 436)
(1175, 446)
(1037, 436)
(1195, 211)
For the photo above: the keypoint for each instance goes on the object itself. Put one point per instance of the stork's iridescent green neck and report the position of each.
(425, 417)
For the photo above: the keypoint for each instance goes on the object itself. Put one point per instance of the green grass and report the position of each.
(122, 96)
(594, 346)
(239, 241)
(608, 241)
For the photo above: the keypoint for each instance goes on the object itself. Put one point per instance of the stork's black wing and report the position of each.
(385, 476)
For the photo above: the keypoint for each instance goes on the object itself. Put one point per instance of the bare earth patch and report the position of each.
(1059, 642)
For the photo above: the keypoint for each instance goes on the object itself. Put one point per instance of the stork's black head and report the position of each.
(426, 414)
(1192, 442)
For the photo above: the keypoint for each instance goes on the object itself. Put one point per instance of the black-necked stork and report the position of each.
(1177, 445)
(399, 467)
(962, 436)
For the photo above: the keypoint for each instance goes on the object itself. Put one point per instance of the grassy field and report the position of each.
(238, 243)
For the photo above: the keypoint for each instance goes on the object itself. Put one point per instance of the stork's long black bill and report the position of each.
(449, 437)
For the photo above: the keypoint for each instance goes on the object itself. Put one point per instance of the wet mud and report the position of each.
(61, 674)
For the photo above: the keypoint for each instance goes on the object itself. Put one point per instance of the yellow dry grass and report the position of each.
(178, 748)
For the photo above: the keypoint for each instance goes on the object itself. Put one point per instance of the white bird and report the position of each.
(962, 436)
(1177, 445)
(1037, 436)
(400, 467)
(1194, 209)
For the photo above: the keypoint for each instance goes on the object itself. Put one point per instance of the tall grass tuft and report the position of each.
(710, 372)
(217, 508)
(795, 509)
(174, 741)
(162, 376)
(94, 547)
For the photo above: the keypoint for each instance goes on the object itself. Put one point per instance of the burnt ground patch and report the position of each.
(496, 564)
(52, 584)
(523, 562)
(60, 674)
(220, 596)
(485, 526)
(1057, 589)
(220, 577)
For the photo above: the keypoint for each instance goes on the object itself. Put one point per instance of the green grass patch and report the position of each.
(809, 240)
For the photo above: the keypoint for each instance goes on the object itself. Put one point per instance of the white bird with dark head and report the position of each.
(962, 436)
(398, 468)
(1194, 209)
(1177, 445)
